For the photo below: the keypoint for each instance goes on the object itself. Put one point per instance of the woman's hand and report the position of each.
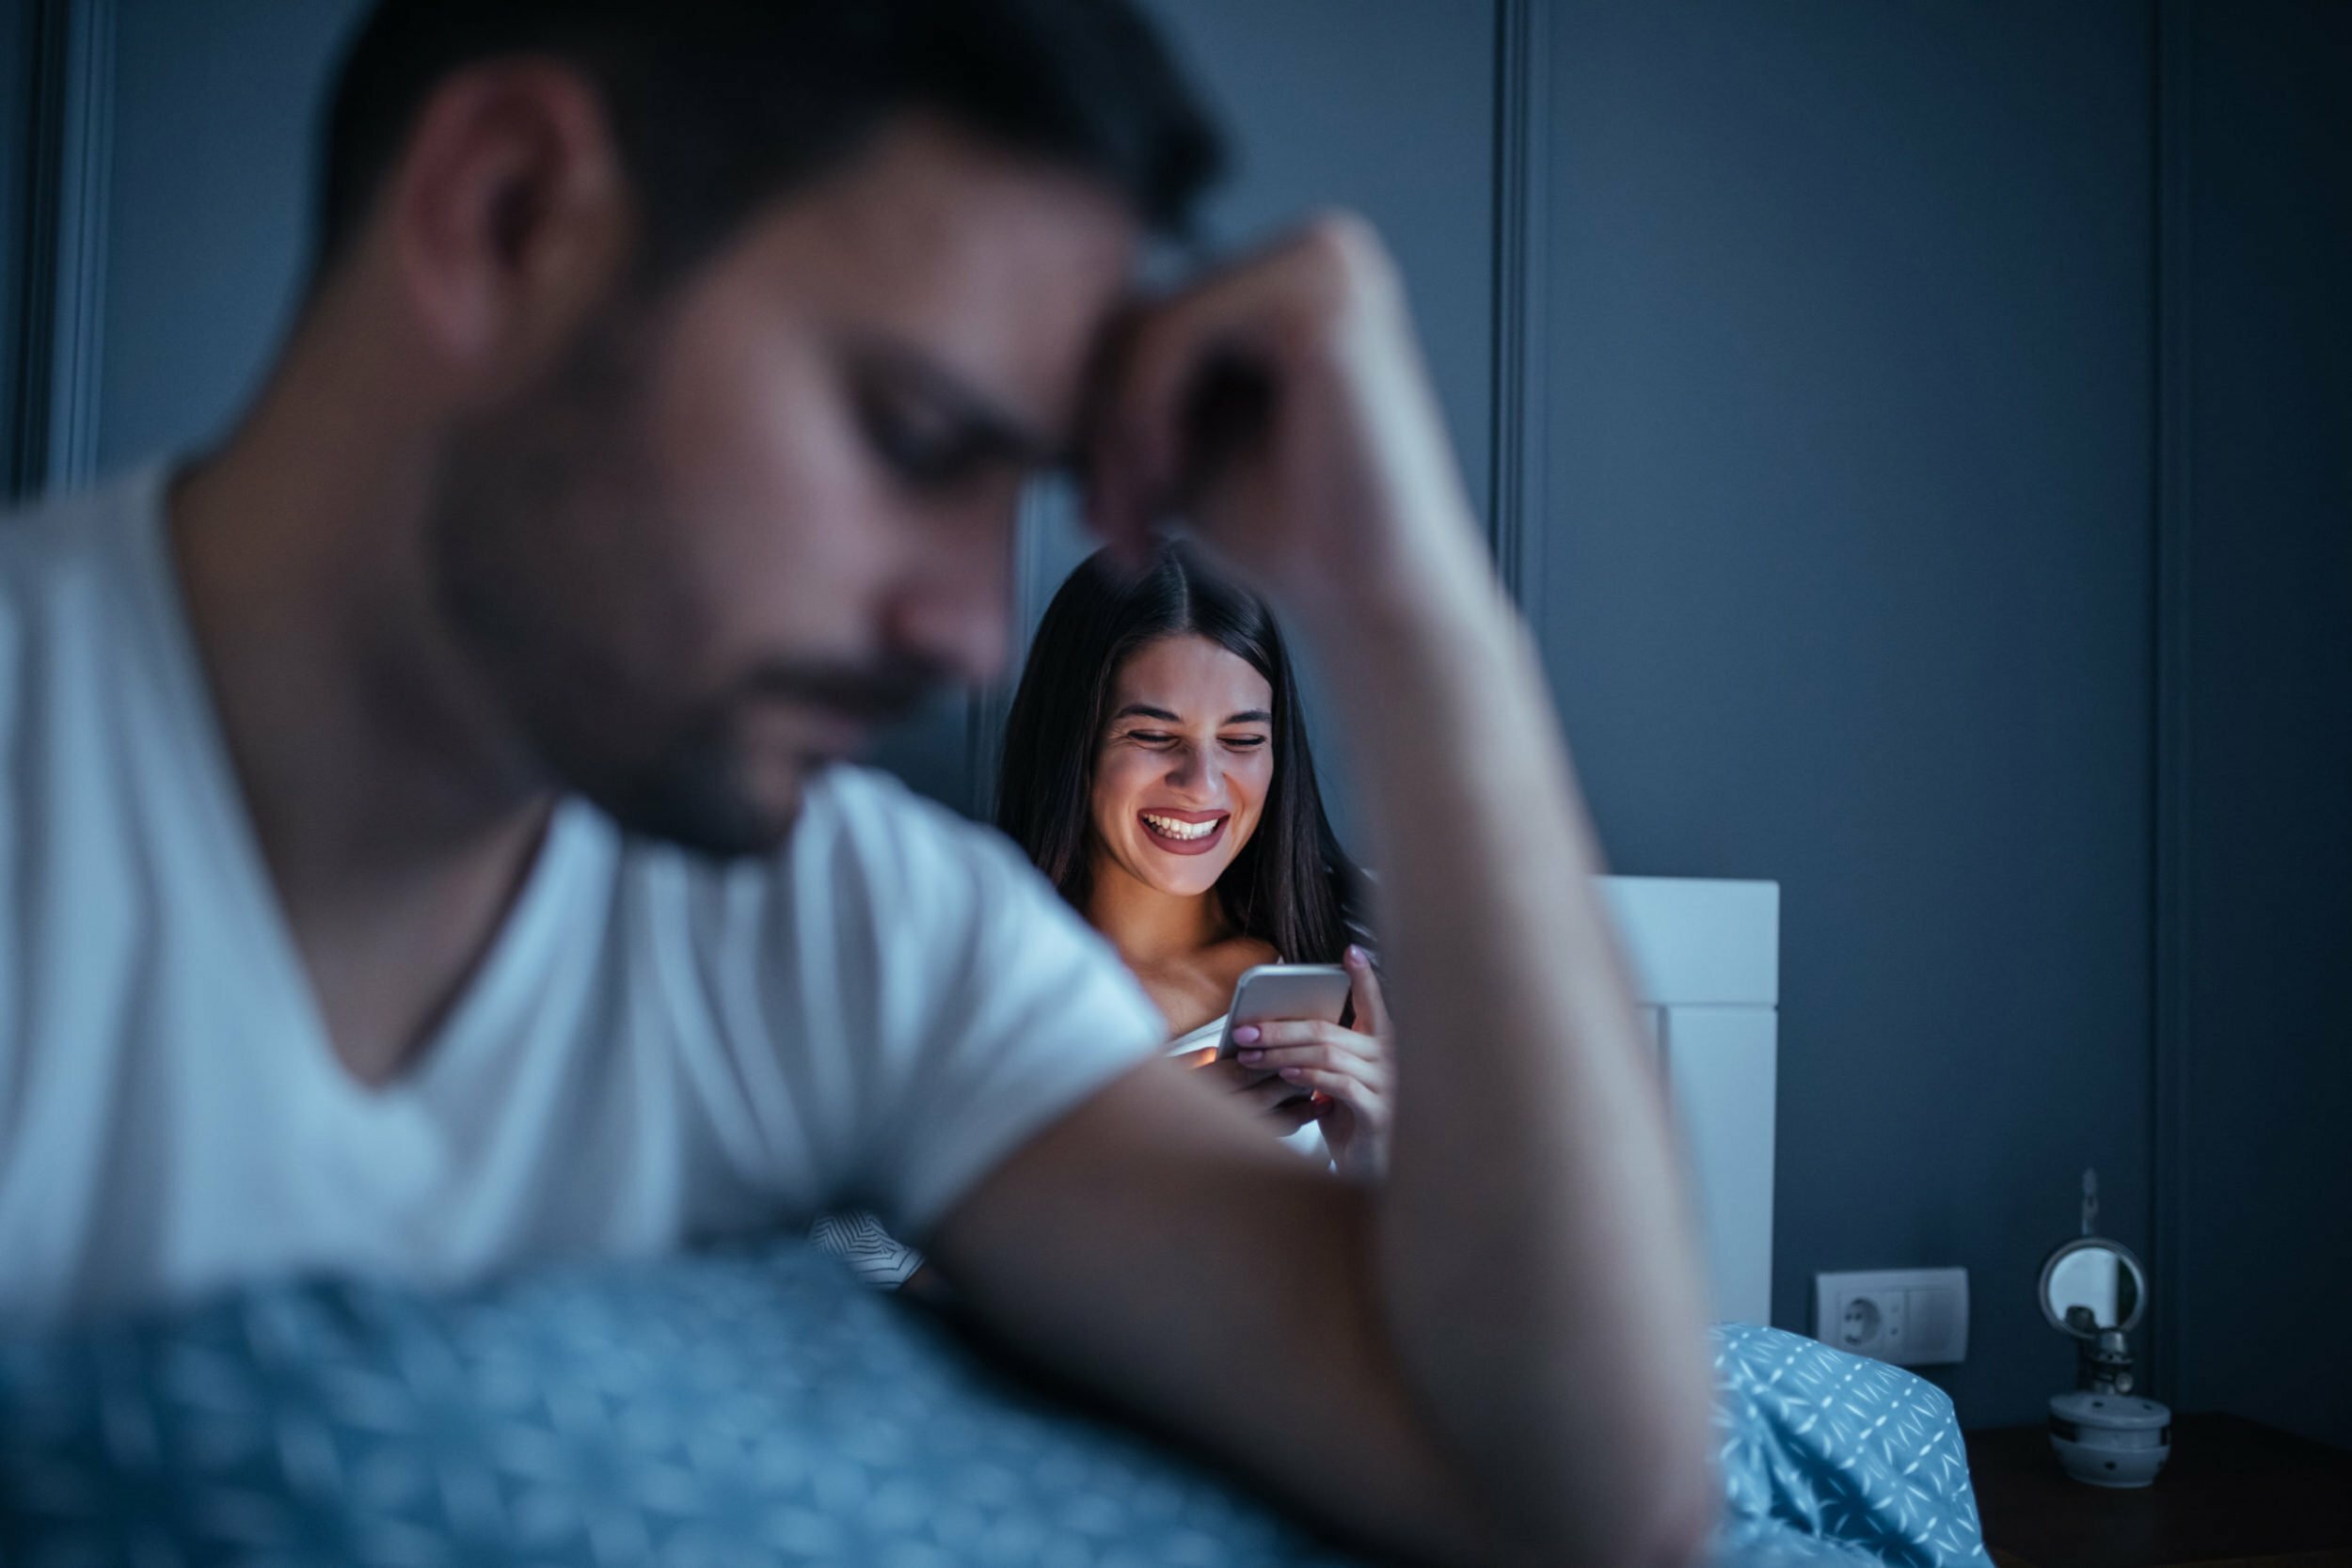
(1351, 1067)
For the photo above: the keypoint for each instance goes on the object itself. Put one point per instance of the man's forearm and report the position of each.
(1537, 1268)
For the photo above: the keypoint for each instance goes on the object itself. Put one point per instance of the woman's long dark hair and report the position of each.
(1292, 885)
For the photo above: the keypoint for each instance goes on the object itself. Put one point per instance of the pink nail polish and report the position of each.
(1245, 1035)
(1251, 1058)
(1293, 1073)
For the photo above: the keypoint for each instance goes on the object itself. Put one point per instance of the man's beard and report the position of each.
(691, 789)
(557, 571)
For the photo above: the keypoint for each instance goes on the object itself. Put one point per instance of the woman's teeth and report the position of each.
(1174, 828)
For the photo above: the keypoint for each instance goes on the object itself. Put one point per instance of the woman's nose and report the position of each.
(1186, 772)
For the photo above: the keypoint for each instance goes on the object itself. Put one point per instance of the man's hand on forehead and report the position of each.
(1278, 407)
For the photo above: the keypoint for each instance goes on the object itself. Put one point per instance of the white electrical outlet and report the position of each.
(1912, 1317)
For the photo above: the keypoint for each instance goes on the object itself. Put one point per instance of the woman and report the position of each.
(1156, 769)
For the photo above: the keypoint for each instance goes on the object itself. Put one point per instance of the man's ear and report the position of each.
(511, 217)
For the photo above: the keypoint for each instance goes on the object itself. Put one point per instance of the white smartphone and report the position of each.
(1272, 991)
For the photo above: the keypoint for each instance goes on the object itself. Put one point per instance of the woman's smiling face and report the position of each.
(1182, 767)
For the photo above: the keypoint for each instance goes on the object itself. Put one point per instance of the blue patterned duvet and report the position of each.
(1834, 1458)
(760, 1407)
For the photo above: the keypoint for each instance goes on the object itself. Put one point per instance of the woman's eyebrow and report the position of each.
(1141, 711)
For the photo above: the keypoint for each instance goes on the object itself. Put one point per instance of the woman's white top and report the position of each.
(1195, 1040)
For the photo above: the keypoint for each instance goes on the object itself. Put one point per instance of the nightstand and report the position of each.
(2234, 1494)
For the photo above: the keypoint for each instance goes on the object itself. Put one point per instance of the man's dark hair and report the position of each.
(1292, 886)
(720, 106)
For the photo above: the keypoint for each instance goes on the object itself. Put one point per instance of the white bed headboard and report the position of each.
(1706, 957)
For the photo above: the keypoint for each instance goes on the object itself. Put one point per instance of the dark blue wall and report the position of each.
(1848, 585)
(211, 180)
(2266, 1238)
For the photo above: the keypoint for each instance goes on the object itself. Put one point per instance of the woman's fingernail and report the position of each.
(1293, 1073)
(1245, 1035)
(1251, 1058)
(1356, 955)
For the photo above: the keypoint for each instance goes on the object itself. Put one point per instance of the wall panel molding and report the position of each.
(2170, 775)
(60, 303)
(1519, 430)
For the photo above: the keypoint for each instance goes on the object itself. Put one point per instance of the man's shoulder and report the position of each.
(909, 858)
(876, 894)
(881, 816)
(66, 590)
(62, 543)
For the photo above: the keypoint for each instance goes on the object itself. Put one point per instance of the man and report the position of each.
(423, 838)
